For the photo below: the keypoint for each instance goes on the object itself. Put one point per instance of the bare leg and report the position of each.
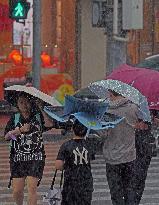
(18, 190)
(32, 190)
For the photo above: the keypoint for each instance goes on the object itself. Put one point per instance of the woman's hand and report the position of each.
(156, 121)
(17, 131)
(25, 128)
(13, 133)
(141, 126)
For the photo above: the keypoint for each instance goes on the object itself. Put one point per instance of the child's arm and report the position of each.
(59, 164)
(61, 157)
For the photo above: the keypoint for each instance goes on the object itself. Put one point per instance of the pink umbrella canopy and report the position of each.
(145, 80)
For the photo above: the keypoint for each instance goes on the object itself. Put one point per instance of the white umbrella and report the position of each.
(34, 92)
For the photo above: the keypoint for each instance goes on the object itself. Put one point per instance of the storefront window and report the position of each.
(57, 48)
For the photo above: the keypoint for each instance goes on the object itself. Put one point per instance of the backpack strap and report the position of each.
(39, 118)
(16, 118)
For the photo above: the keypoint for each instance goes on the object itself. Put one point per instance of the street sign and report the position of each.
(18, 9)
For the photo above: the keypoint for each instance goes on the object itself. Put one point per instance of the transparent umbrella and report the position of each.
(100, 88)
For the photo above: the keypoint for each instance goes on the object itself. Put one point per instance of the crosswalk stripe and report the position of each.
(101, 189)
(104, 198)
(106, 189)
(150, 204)
(12, 203)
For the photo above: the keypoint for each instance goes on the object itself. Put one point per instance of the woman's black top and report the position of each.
(27, 146)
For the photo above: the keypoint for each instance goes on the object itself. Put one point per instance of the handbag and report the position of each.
(53, 196)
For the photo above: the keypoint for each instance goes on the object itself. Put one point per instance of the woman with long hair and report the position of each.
(27, 155)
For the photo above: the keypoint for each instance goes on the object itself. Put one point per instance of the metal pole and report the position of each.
(22, 43)
(36, 65)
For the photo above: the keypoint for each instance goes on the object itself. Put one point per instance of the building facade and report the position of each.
(5, 29)
(85, 52)
(145, 42)
(70, 35)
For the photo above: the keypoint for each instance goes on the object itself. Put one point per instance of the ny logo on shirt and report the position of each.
(82, 155)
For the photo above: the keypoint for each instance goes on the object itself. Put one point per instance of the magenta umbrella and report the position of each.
(145, 80)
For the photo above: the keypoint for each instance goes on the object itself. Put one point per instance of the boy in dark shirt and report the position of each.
(74, 157)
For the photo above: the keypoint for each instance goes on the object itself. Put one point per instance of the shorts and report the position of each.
(27, 168)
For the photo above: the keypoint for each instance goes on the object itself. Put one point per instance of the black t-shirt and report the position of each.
(28, 146)
(76, 156)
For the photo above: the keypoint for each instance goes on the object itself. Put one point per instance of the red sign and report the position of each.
(157, 14)
(5, 22)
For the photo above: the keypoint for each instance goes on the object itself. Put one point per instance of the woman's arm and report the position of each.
(17, 131)
(13, 132)
(48, 123)
(10, 129)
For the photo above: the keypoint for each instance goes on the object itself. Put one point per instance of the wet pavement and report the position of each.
(101, 195)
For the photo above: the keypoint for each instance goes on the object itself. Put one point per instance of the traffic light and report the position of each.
(18, 9)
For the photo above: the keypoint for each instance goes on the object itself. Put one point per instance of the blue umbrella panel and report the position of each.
(91, 122)
(75, 105)
(90, 113)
